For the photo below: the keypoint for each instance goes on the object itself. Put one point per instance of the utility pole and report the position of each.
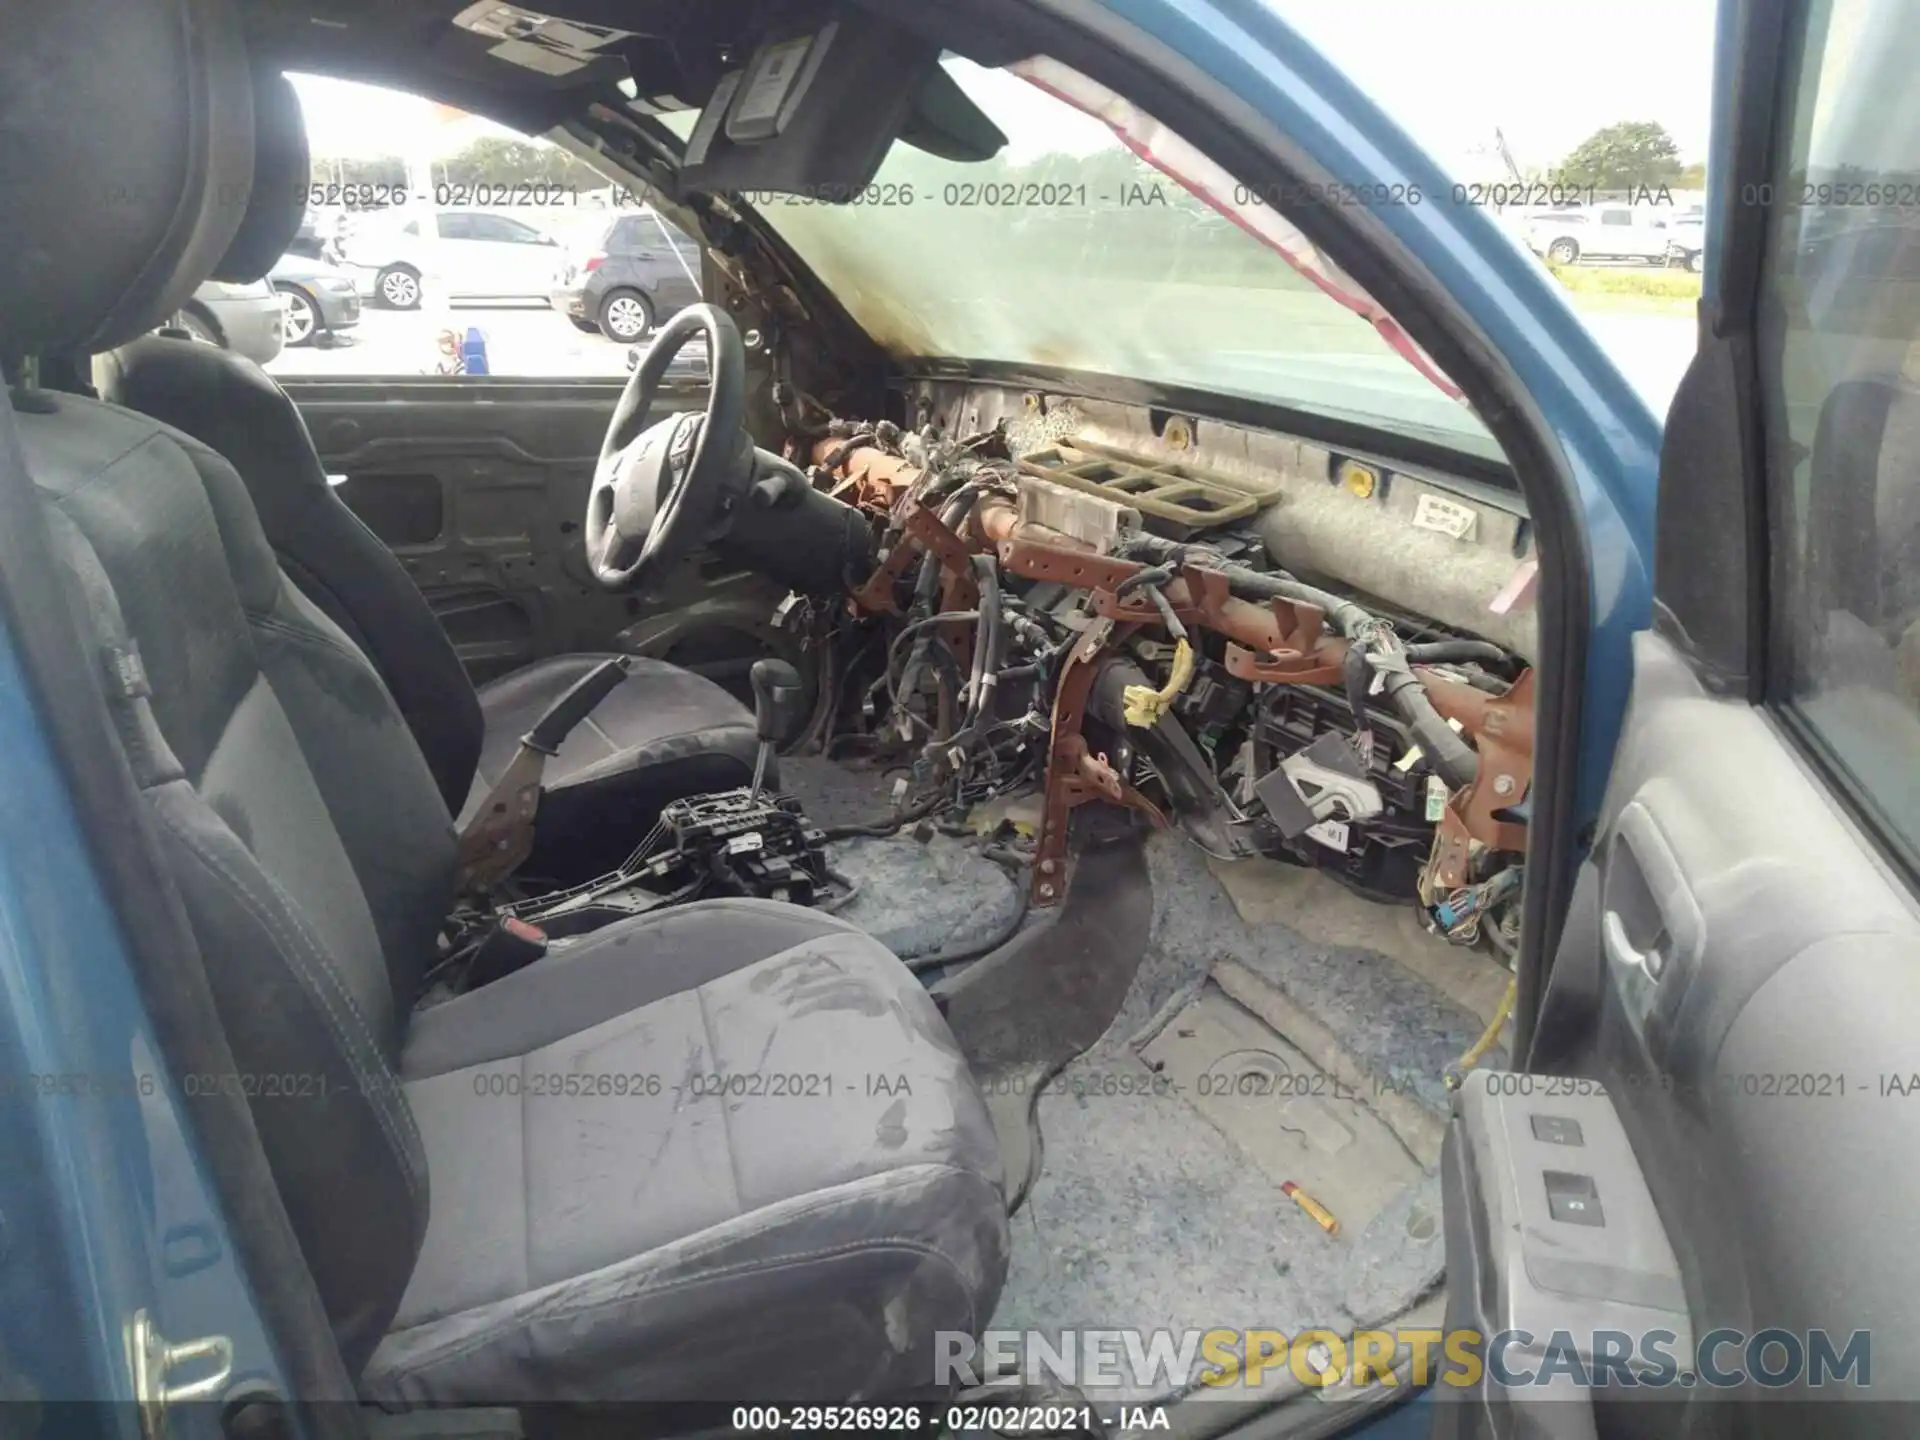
(1506, 157)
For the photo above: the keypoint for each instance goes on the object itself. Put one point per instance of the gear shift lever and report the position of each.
(777, 694)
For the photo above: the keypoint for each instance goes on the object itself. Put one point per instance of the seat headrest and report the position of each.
(281, 171)
(126, 160)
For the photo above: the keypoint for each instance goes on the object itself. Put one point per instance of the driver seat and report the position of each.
(665, 733)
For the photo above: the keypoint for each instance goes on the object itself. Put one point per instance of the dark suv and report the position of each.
(639, 269)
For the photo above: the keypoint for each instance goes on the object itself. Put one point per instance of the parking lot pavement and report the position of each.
(521, 341)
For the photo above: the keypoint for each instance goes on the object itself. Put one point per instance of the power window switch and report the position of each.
(1573, 1199)
(1557, 1130)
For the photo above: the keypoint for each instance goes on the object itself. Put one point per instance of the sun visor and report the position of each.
(816, 107)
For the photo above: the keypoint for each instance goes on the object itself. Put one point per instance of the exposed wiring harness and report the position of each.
(1144, 705)
(1452, 758)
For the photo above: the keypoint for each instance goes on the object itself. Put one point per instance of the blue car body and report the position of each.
(104, 1205)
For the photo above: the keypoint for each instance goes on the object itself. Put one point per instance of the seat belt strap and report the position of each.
(499, 837)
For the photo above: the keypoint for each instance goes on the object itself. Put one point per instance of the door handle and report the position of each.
(1646, 895)
(1622, 951)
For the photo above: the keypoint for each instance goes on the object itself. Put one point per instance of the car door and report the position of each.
(522, 262)
(1729, 1023)
(478, 483)
(464, 259)
(1650, 231)
(1614, 235)
(680, 285)
(657, 258)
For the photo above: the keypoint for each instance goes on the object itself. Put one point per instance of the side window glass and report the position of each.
(512, 231)
(373, 292)
(1840, 370)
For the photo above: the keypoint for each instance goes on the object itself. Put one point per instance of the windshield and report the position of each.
(1066, 250)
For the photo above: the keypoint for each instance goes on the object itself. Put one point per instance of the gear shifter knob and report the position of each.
(777, 694)
(776, 709)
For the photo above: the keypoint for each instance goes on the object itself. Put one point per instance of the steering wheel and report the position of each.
(666, 491)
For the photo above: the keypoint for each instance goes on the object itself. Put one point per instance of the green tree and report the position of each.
(1691, 177)
(501, 160)
(1619, 157)
(383, 172)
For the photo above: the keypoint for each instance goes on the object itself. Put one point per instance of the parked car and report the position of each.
(1686, 240)
(246, 319)
(1858, 276)
(321, 300)
(636, 269)
(1601, 232)
(480, 255)
(690, 367)
(318, 237)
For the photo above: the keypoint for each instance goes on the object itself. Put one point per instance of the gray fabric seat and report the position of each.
(578, 1243)
(472, 1240)
(663, 734)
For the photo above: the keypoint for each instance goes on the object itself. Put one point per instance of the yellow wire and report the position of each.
(1486, 1042)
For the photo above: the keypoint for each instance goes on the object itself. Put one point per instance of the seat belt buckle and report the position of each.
(510, 944)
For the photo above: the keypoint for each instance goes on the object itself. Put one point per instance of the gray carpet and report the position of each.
(921, 898)
(1399, 1029)
(837, 792)
(917, 897)
(1144, 1216)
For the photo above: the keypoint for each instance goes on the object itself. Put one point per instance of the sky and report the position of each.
(1546, 72)
(346, 120)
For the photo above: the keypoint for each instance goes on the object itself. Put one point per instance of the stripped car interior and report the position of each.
(1074, 912)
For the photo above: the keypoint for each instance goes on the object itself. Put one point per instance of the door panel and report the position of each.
(1740, 966)
(1740, 973)
(479, 485)
(1747, 1034)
